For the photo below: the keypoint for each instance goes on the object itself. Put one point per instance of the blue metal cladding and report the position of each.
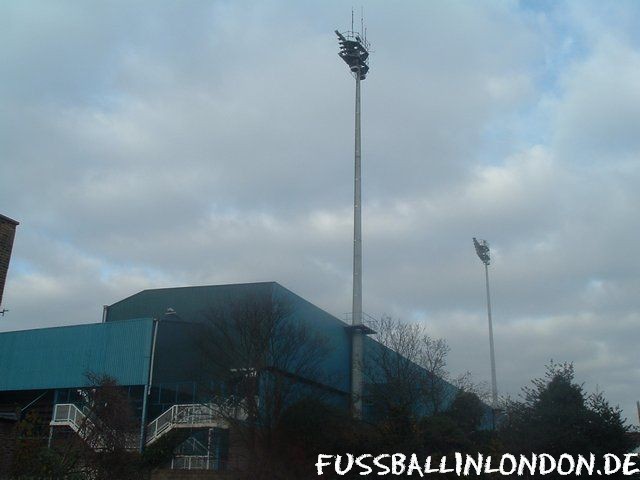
(191, 304)
(194, 304)
(336, 368)
(60, 357)
(178, 357)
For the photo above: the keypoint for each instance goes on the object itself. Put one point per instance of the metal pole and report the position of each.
(494, 383)
(356, 314)
(55, 401)
(147, 389)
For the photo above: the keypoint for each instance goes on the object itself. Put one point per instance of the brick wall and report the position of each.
(7, 233)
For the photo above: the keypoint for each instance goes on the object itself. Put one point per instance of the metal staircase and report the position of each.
(192, 455)
(89, 429)
(197, 415)
(215, 414)
(67, 414)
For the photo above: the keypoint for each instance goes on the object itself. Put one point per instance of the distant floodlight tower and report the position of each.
(354, 50)
(482, 249)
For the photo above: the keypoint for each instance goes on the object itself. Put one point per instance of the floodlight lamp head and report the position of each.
(354, 50)
(482, 250)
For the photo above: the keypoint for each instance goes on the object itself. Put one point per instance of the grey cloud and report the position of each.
(149, 145)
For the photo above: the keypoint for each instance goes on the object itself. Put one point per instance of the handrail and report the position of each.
(366, 318)
(192, 462)
(68, 414)
(192, 415)
(191, 446)
(219, 411)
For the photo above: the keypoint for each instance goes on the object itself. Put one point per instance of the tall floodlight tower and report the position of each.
(482, 249)
(354, 50)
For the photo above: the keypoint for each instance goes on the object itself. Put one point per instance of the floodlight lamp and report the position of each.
(354, 50)
(482, 249)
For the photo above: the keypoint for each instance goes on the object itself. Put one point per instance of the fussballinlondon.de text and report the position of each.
(465, 465)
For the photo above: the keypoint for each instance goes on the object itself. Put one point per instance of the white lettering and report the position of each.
(514, 464)
(530, 464)
(471, 462)
(338, 464)
(320, 463)
(570, 460)
(383, 468)
(443, 466)
(544, 457)
(427, 467)
(397, 463)
(590, 465)
(367, 468)
(628, 463)
(487, 466)
(414, 465)
(608, 457)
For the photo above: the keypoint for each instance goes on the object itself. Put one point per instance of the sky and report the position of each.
(152, 143)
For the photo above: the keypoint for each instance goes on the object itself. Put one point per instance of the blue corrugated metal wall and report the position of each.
(190, 303)
(60, 357)
(193, 304)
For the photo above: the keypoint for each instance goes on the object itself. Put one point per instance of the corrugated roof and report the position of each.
(60, 357)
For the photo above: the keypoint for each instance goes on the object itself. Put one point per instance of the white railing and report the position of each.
(367, 319)
(193, 415)
(68, 414)
(197, 415)
(192, 462)
(192, 446)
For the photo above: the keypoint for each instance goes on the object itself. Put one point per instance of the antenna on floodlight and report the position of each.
(354, 51)
(484, 254)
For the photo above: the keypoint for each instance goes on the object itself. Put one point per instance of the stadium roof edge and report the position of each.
(196, 286)
(71, 325)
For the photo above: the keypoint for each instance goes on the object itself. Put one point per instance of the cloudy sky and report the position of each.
(153, 143)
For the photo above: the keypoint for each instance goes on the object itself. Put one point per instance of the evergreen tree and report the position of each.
(557, 416)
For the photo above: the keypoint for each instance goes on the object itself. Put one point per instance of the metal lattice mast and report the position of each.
(354, 51)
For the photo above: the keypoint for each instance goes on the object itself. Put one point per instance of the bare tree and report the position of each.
(407, 371)
(465, 383)
(269, 359)
(434, 360)
(394, 377)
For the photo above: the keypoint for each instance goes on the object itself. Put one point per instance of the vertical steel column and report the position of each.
(494, 383)
(55, 401)
(356, 314)
(147, 389)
